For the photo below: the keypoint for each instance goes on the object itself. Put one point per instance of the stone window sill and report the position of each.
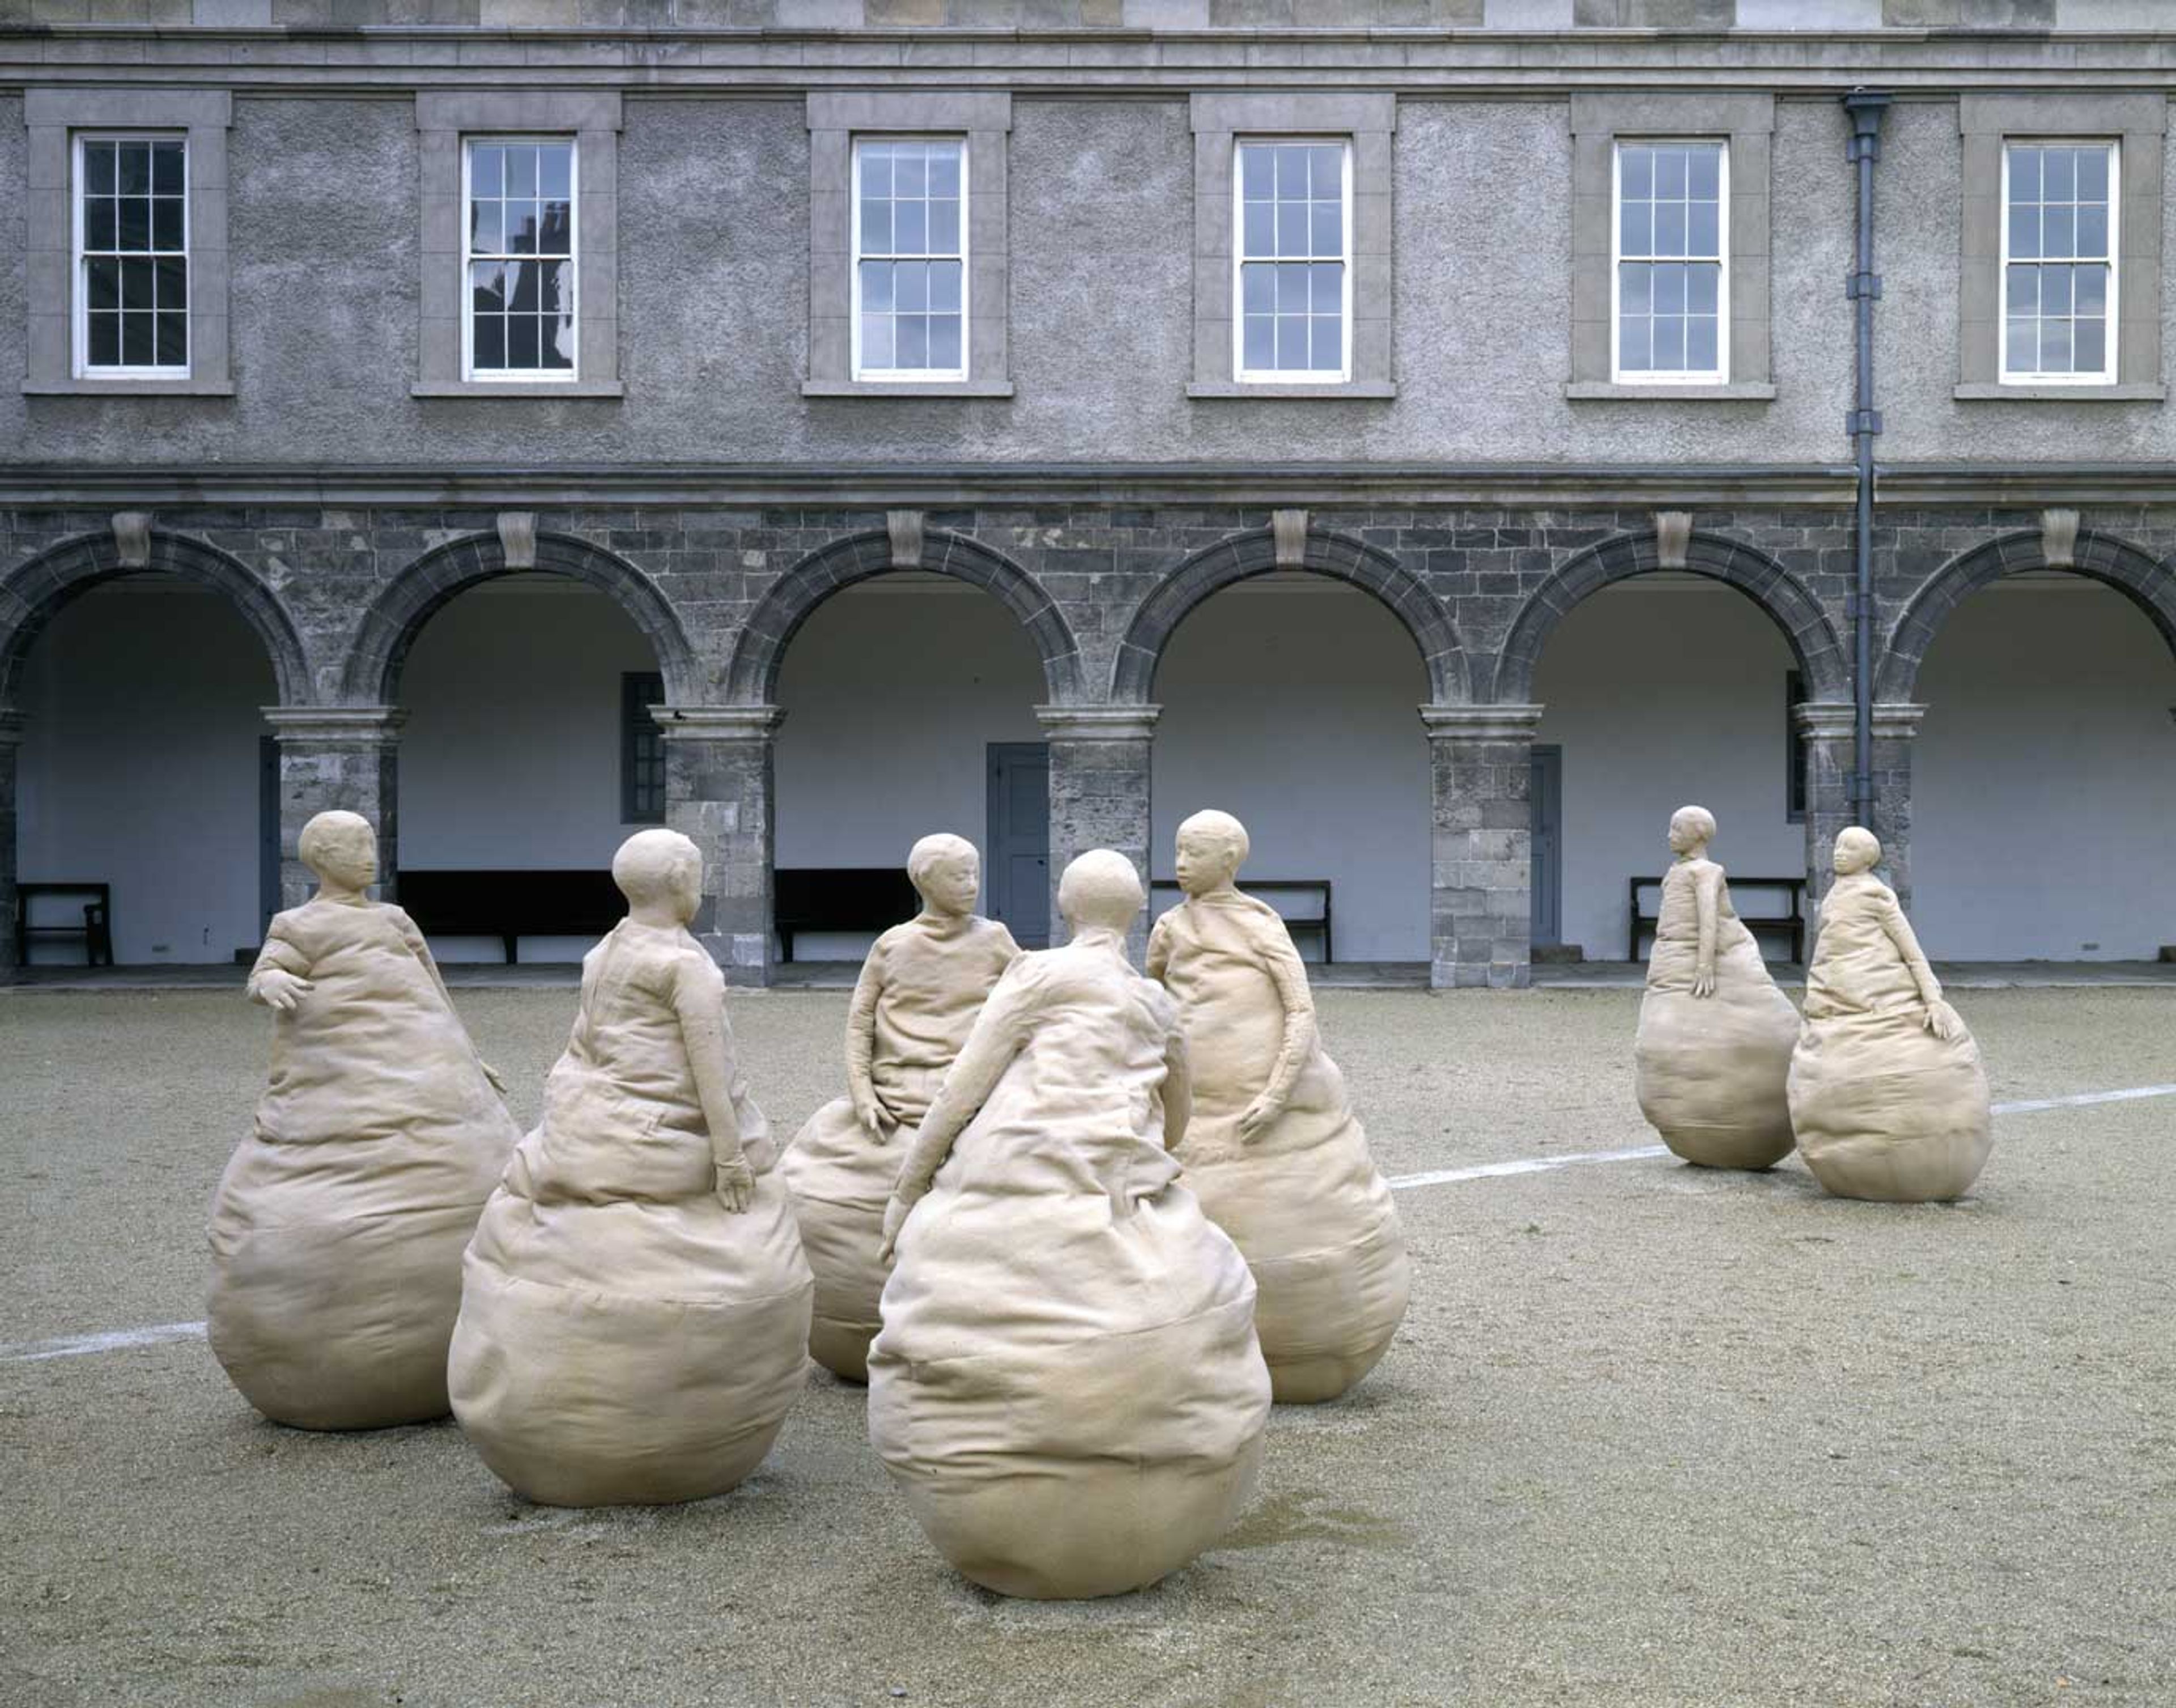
(1363, 389)
(1980, 391)
(129, 388)
(908, 388)
(1739, 391)
(518, 390)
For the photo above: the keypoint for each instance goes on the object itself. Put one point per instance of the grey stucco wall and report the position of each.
(713, 286)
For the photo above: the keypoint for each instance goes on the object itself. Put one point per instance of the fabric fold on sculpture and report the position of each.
(624, 1336)
(1885, 1108)
(338, 1226)
(1301, 1197)
(1710, 1069)
(919, 989)
(1066, 1385)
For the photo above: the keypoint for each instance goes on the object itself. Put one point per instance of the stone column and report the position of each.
(11, 743)
(719, 792)
(1828, 729)
(1099, 793)
(1481, 907)
(344, 757)
(1895, 730)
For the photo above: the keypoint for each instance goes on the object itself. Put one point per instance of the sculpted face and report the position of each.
(951, 885)
(1210, 851)
(1856, 851)
(343, 851)
(1690, 828)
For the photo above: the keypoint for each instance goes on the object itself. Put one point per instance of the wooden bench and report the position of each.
(839, 898)
(95, 933)
(1790, 925)
(510, 905)
(1316, 925)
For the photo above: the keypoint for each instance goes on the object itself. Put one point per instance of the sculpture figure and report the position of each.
(1273, 1151)
(919, 990)
(1066, 1385)
(634, 1306)
(337, 1229)
(1716, 1035)
(1887, 1092)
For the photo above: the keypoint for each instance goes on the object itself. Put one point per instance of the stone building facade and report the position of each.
(1477, 465)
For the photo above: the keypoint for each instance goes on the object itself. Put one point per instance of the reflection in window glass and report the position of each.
(911, 259)
(133, 254)
(1670, 237)
(520, 249)
(2059, 259)
(1293, 224)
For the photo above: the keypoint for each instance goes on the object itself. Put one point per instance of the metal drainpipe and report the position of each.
(1864, 287)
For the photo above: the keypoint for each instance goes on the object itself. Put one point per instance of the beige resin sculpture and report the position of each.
(919, 990)
(1066, 1385)
(634, 1308)
(1274, 1151)
(1716, 1035)
(1887, 1092)
(337, 1230)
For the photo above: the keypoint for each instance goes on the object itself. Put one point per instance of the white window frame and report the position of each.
(79, 274)
(520, 376)
(2111, 366)
(1618, 373)
(1280, 376)
(908, 376)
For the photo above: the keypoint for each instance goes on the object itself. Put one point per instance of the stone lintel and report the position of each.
(1481, 723)
(1288, 534)
(132, 538)
(1099, 723)
(1673, 538)
(2059, 539)
(517, 538)
(718, 723)
(336, 726)
(905, 527)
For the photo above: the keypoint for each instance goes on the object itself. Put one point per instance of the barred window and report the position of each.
(910, 309)
(131, 255)
(519, 259)
(641, 750)
(2058, 254)
(1294, 253)
(1671, 238)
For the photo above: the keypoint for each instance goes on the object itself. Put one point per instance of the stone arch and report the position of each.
(405, 603)
(1813, 638)
(32, 593)
(752, 676)
(2100, 557)
(1244, 556)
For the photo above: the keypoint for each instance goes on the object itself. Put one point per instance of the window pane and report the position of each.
(135, 169)
(1669, 344)
(1327, 220)
(99, 226)
(555, 169)
(1292, 228)
(98, 168)
(2023, 353)
(105, 340)
(876, 284)
(2024, 175)
(1704, 172)
(559, 341)
(136, 285)
(520, 170)
(1258, 288)
(910, 176)
(2092, 231)
(557, 236)
(1636, 173)
(1703, 285)
(2058, 175)
(166, 224)
(913, 331)
(1704, 229)
(2092, 345)
(1635, 287)
(559, 289)
(1329, 343)
(1292, 173)
(2091, 287)
(910, 285)
(1259, 234)
(1260, 351)
(1256, 171)
(487, 235)
(1635, 229)
(170, 282)
(1327, 292)
(944, 228)
(487, 170)
(2059, 233)
(135, 223)
(102, 281)
(1326, 172)
(2022, 295)
(1669, 228)
(166, 175)
(2024, 232)
(487, 287)
(521, 340)
(139, 341)
(1634, 349)
(876, 228)
(910, 232)
(525, 285)
(489, 342)
(876, 341)
(1291, 289)
(944, 341)
(945, 171)
(1670, 289)
(2093, 175)
(521, 228)
(173, 340)
(1291, 342)
(2055, 347)
(1700, 333)
(944, 279)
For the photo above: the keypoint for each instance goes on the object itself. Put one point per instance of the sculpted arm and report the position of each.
(422, 950)
(1177, 1089)
(989, 1050)
(1159, 958)
(701, 1010)
(280, 977)
(1282, 962)
(1941, 1018)
(1707, 903)
(862, 1043)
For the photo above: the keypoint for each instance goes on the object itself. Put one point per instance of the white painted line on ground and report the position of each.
(114, 1341)
(120, 1339)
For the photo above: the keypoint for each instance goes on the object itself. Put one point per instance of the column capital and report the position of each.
(1098, 723)
(1822, 720)
(1481, 723)
(336, 726)
(718, 723)
(1896, 721)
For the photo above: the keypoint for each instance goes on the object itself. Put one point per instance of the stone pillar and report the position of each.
(344, 757)
(1828, 728)
(11, 743)
(719, 792)
(1481, 908)
(1099, 793)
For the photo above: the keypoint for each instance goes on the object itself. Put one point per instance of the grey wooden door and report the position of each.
(1016, 859)
(1546, 797)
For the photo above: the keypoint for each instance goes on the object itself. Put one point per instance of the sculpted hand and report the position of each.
(491, 1074)
(735, 1184)
(1943, 1022)
(870, 1114)
(279, 989)
(1704, 982)
(1257, 1115)
(895, 1214)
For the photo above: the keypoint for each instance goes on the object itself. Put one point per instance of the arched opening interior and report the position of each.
(1660, 690)
(146, 765)
(1292, 700)
(909, 708)
(528, 749)
(2043, 780)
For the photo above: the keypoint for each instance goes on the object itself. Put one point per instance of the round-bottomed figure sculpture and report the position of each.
(338, 1227)
(1715, 1035)
(1888, 1093)
(1066, 1386)
(1274, 1151)
(919, 990)
(635, 1306)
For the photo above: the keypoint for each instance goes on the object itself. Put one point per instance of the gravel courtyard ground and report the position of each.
(1650, 1436)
